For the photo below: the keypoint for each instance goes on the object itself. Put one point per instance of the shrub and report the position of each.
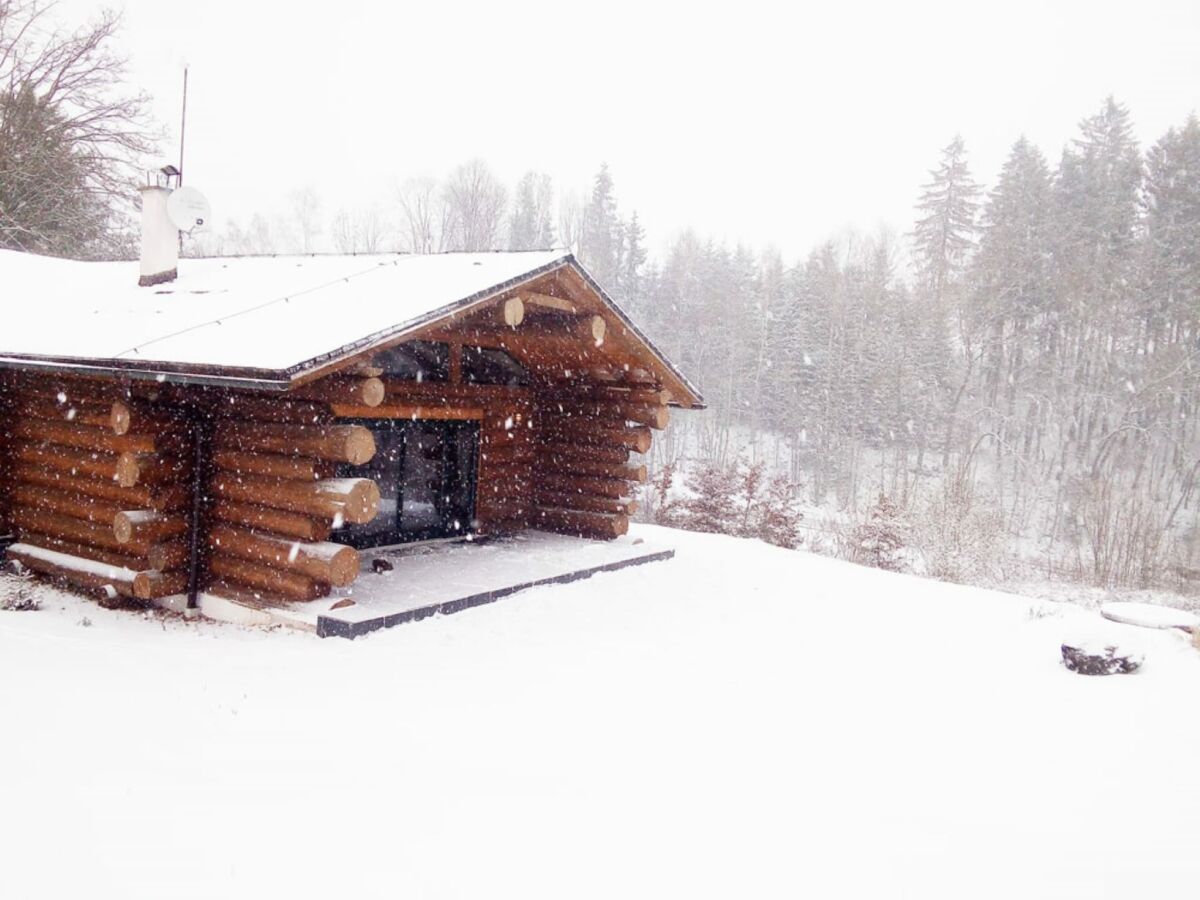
(880, 540)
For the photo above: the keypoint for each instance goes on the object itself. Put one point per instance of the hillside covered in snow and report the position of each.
(740, 721)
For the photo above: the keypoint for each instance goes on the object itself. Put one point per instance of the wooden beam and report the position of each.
(545, 301)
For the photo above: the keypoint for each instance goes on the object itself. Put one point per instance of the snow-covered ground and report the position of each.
(741, 721)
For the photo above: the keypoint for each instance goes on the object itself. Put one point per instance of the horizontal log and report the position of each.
(121, 468)
(583, 524)
(255, 575)
(601, 469)
(368, 392)
(246, 596)
(637, 438)
(92, 415)
(272, 465)
(353, 500)
(335, 564)
(153, 469)
(274, 521)
(649, 396)
(125, 416)
(656, 417)
(147, 526)
(85, 551)
(277, 411)
(429, 393)
(548, 499)
(507, 454)
(79, 531)
(67, 434)
(167, 556)
(98, 576)
(106, 580)
(407, 411)
(77, 506)
(584, 484)
(564, 454)
(341, 443)
(153, 585)
(163, 498)
(94, 392)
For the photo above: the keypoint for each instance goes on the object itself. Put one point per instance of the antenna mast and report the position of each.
(182, 127)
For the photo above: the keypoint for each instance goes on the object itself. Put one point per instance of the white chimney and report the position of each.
(160, 238)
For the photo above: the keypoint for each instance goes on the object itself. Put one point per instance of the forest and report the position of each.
(1008, 385)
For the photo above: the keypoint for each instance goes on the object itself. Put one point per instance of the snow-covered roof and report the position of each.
(242, 319)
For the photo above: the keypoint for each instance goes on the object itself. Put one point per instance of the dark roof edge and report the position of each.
(163, 373)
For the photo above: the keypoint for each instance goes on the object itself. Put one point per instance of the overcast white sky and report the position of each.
(768, 123)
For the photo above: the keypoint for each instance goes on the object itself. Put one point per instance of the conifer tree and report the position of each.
(600, 241)
(945, 231)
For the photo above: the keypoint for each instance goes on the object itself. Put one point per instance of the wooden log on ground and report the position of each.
(287, 584)
(353, 500)
(340, 443)
(147, 526)
(564, 454)
(335, 564)
(84, 551)
(75, 571)
(368, 392)
(163, 498)
(583, 524)
(272, 465)
(546, 498)
(99, 576)
(274, 521)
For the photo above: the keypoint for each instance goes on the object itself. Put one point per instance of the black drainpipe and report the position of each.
(201, 441)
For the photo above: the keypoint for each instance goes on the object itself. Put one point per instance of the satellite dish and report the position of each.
(189, 210)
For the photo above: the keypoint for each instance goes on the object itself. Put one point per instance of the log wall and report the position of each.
(96, 486)
(96, 477)
(585, 482)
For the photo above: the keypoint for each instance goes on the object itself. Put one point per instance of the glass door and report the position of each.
(425, 470)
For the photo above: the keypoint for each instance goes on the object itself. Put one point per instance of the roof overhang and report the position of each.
(285, 379)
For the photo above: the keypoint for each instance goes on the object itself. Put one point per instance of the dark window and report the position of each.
(426, 475)
(486, 365)
(416, 361)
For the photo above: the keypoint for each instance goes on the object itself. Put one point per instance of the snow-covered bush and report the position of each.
(16, 594)
(881, 539)
(959, 539)
(738, 499)
(661, 504)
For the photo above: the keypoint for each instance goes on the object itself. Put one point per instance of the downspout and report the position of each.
(201, 444)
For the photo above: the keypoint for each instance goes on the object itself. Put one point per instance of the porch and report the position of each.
(444, 577)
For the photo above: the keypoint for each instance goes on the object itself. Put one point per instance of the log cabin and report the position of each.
(244, 427)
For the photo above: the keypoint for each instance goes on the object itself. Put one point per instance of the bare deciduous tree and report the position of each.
(476, 203)
(71, 132)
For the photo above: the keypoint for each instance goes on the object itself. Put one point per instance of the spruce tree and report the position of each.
(945, 231)
(600, 244)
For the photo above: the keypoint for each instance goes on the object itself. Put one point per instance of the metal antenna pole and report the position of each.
(182, 127)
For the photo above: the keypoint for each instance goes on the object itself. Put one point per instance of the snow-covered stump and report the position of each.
(1090, 658)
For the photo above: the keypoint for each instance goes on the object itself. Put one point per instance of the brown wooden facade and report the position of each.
(132, 487)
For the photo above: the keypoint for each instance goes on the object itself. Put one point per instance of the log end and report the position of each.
(128, 470)
(360, 446)
(373, 392)
(514, 312)
(343, 567)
